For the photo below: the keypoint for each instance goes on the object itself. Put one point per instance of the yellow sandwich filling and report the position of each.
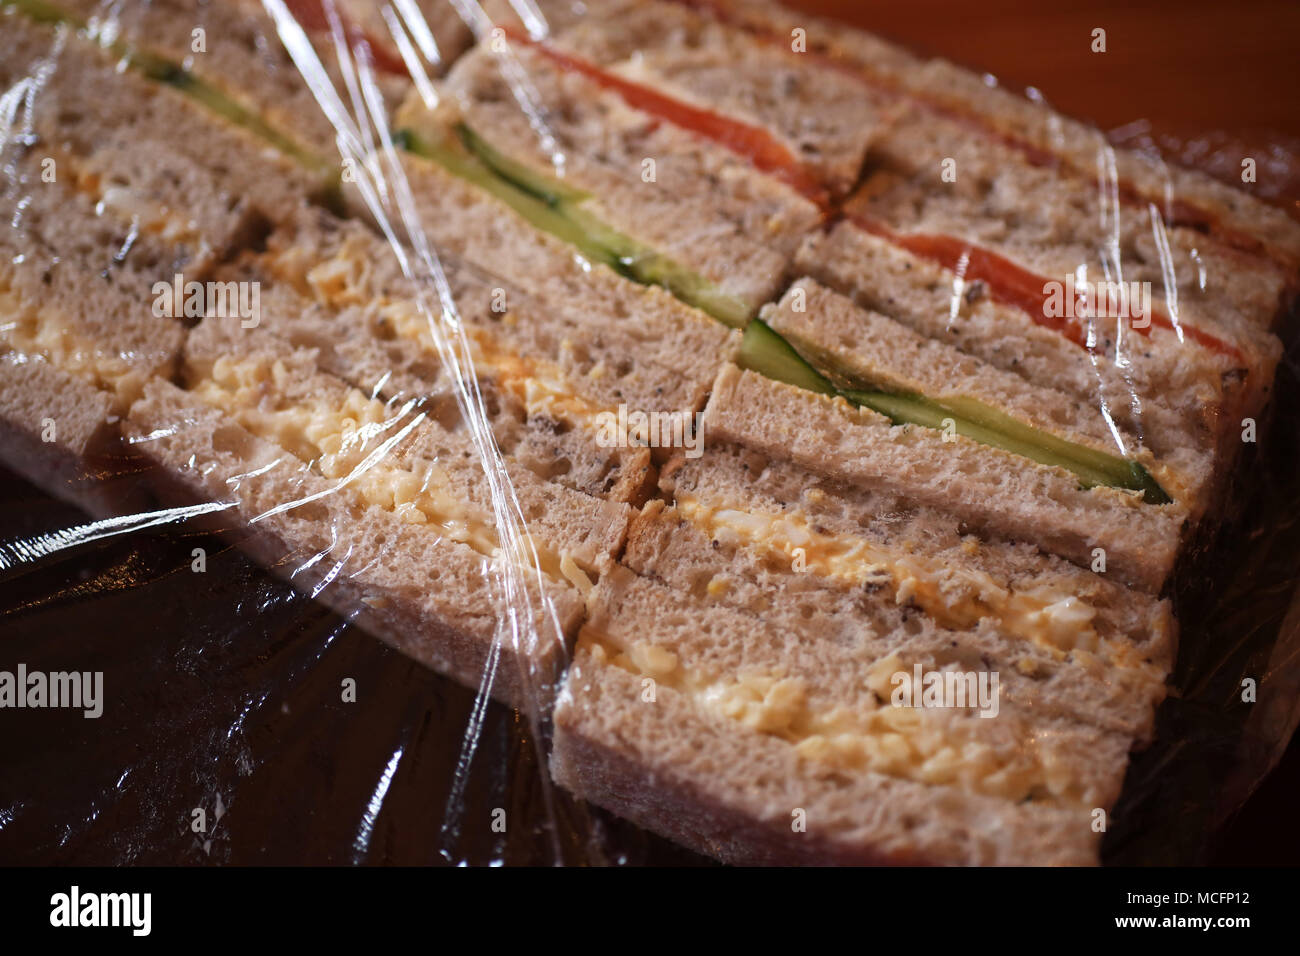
(346, 443)
(148, 215)
(942, 747)
(51, 337)
(957, 598)
(343, 280)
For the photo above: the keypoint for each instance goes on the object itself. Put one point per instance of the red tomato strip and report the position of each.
(753, 143)
(311, 15)
(1015, 286)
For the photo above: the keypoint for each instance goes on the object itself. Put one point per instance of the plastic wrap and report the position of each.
(247, 722)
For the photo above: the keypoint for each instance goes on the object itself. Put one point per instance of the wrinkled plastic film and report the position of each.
(428, 760)
(516, 591)
(526, 621)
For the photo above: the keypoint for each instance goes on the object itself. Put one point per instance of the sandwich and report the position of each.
(645, 197)
(102, 129)
(764, 408)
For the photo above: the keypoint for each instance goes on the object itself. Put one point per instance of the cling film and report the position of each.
(275, 608)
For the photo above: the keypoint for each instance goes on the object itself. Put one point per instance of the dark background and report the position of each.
(1188, 66)
(226, 683)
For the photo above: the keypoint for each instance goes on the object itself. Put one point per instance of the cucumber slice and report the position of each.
(517, 174)
(458, 161)
(643, 264)
(1116, 471)
(916, 410)
(42, 12)
(691, 288)
(766, 351)
(762, 350)
(595, 238)
(222, 105)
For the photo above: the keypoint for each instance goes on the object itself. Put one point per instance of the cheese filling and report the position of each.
(1055, 620)
(948, 747)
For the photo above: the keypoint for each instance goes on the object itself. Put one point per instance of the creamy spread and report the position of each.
(930, 746)
(348, 442)
(40, 333)
(1052, 619)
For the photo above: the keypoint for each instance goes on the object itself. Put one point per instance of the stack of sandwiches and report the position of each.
(947, 385)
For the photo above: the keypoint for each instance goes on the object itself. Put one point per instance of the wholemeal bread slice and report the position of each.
(646, 323)
(612, 340)
(553, 364)
(1056, 227)
(831, 44)
(387, 351)
(990, 489)
(1176, 396)
(235, 49)
(1228, 216)
(231, 47)
(817, 121)
(395, 455)
(766, 746)
(59, 432)
(77, 286)
(79, 336)
(935, 91)
(872, 348)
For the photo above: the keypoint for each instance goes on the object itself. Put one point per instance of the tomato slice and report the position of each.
(1013, 285)
(312, 16)
(763, 150)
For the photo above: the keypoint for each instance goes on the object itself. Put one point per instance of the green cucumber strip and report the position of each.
(1120, 472)
(42, 12)
(221, 104)
(916, 410)
(767, 352)
(690, 287)
(457, 161)
(631, 258)
(764, 351)
(517, 174)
